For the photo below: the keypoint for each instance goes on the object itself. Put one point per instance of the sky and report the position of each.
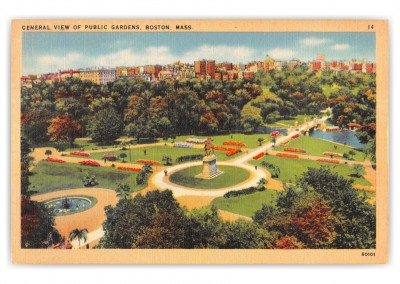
(50, 52)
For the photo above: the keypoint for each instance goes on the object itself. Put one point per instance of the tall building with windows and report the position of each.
(204, 68)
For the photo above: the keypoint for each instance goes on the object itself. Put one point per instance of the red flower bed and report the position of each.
(328, 161)
(274, 133)
(83, 154)
(295, 136)
(229, 151)
(233, 152)
(333, 129)
(148, 162)
(258, 156)
(234, 143)
(129, 169)
(333, 154)
(89, 163)
(54, 160)
(296, 150)
(284, 155)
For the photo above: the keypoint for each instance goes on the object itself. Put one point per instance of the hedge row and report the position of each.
(245, 191)
(189, 158)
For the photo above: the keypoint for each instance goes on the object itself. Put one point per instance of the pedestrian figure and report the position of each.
(105, 160)
(145, 152)
(166, 172)
(255, 167)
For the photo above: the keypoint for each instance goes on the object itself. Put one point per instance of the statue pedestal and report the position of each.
(210, 169)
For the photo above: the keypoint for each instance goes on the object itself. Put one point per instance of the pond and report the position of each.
(70, 205)
(346, 137)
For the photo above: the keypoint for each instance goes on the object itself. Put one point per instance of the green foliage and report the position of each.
(124, 191)
(80, 234)
(246, 191)
(89, 180)
(359, 170)
(167, 160)
(106, 126)
(187, 158)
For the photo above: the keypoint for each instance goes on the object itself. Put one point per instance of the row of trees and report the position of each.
(73, 108)
(320, 211)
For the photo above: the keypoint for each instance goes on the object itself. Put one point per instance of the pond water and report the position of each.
(269, 130)
(69, 205)
(347, 137)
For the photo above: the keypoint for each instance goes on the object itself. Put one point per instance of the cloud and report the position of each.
(131, 57)
(314, 41)
(341, 46)
(235, 54)
(281, 53)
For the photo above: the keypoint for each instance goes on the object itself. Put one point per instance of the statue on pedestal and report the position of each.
(208, 147)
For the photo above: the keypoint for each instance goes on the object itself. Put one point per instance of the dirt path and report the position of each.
(91, 219)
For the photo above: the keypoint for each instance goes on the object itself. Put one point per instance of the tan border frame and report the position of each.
(212, 256)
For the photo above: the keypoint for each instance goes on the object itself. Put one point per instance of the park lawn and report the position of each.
(293, 168)
(329, 89)
(246, 205)
(156, 153)
(47, 177)
(231, 176)
(299, 118)
(316, 147)
(249, 139)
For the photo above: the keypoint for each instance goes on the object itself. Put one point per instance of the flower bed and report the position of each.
(295, 136)
(54, 160)
(234, 143)
(229, 151)
(89, 163)
(328, 161)
(83, 154)
(296, 150)
(274, 133)
(183, 145)
(333, 154)
(258, 156)
(233, 152)
(150, 162)
(284, 155)
(129, 169)
(110, 157)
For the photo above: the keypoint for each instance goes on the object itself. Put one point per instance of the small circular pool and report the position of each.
(70, 204)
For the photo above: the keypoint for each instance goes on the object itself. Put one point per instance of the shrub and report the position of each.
(89, 180)
(189, 158)
(245, 191)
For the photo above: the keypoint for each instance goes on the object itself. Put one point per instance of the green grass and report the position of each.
(231, 176)
(47, 177)
(288, 122)
(156, 153)
(293, 168)
(329, 89)
(249, 139)
(316, 147)
(246, 205)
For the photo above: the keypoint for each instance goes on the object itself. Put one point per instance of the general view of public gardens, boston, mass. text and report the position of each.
(198, 140)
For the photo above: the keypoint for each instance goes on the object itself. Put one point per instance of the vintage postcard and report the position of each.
(199, 141)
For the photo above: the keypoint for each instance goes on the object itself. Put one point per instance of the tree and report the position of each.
(359, 170)
(167, 160)
(261, 183)
(79, 234)
(352, 153)
(260, 140)
(288, 242)
(124, 191)
(48, 152)
(106, 126)
(63, 128)
(37, 225)
(275, 172)
(123, 156)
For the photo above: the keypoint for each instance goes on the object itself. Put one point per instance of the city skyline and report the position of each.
(88, 50)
